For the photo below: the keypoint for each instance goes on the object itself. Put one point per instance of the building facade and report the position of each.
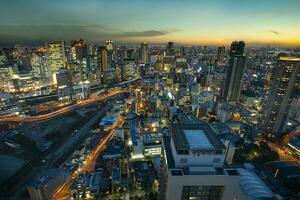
(284, 87)
(233, 82)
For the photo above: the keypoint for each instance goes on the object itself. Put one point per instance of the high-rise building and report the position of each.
(121, 55)
(192, 165)
(170, 51)
(182, 52)
(56, 57)
(6, 74)
(220, 54)
(233, 82)
(109, 44)
(8, 52)
(284, 87)
(64, 84)
(85, 68)
(118, 73)
(39, 65)
(144, 53)
(78, 50)
(104, 58)
(96, 64)
(130, 54)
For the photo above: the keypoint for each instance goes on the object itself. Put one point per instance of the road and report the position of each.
(55, 154)
(60, 112)
(88, 164)
(283, 153)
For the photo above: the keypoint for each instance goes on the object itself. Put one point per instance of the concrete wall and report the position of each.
(230, 183)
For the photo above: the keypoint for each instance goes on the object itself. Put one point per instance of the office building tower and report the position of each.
(118, 73)
(22, 55)
(182, 52)
(39, 65)
(170, 51)
(192, 165)
(78, 50)
(6, 74)
(130, 55)
(85, 68)
(220, 54)
(109, 45)
(64, 84)
(121, 55)
(233, 82)
(9, 55)
(56, 58)
(96, 64)
(284, 87)
(104, 58)
(144, 53)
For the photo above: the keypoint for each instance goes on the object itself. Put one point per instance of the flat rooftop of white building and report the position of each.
(197, 139)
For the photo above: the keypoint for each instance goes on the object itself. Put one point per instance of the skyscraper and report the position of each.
(64, 84)
(104, 58)
(170, 51)
(232, 88)
(220, 54)
(39, 65)
(285, 85)
(85, 68)
(78, 50)
(182, 52)
(144, 53)
(56, 57)
(109, 44)
(6, 74)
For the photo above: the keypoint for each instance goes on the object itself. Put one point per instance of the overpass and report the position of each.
(62, 111)
(68, 109)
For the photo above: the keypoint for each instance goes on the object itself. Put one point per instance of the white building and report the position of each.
(192, 166)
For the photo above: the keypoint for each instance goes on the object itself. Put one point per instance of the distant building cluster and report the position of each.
(194, 122)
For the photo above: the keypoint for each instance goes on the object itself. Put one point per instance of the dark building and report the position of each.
(79, 50)
(287, 173)
(170, 51)
(64, 83)
(8, 52)
(144, 53)
(110, 47)
(232, 88)
(182, 52)
(220, 54)
(284, 87)
(103, 58)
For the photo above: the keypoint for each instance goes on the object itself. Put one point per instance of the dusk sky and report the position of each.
(212, 22)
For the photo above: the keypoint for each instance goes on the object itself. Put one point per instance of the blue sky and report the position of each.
(156, 21)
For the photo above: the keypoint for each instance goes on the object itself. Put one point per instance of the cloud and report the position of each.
(39, 34)
(274, 32)
(148, 33)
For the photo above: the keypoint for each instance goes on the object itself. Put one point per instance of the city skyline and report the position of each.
(149, 99)
(193, 23)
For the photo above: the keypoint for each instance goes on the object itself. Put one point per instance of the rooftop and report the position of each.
(252, 186)
(197, 139)
(195, 136)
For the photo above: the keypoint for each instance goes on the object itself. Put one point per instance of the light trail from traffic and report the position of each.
(283, 153)
(62, 111)
(88, 163)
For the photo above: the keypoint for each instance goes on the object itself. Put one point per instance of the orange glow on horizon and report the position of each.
(192, 40)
